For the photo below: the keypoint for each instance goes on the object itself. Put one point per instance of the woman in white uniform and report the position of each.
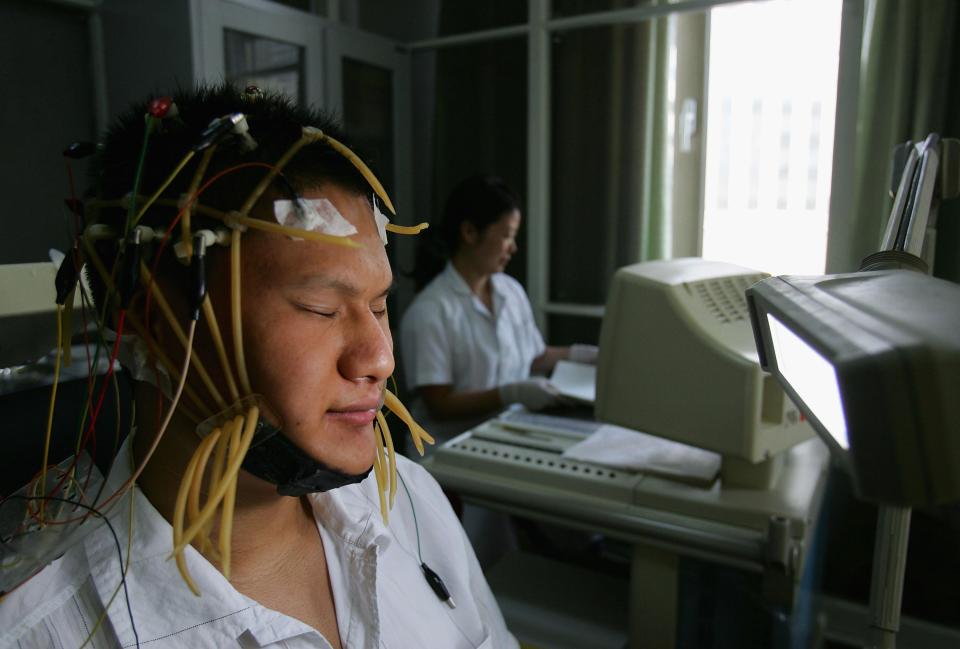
(469, 342)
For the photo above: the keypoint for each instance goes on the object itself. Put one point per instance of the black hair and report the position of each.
(480, 200)
(275, 123)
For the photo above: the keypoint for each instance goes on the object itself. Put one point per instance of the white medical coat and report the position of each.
(382, 599)
(449, 337)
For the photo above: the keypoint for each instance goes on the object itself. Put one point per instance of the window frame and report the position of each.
(538, 30)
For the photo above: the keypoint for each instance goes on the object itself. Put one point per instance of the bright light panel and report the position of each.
(812, 377)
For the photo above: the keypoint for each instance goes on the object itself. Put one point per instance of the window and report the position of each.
(596, 111)
(470, 117)
(771, 103)
(263, 62)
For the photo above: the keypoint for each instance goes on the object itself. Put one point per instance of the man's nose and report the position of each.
(368, 353)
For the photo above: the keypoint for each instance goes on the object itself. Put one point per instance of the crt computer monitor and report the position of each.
(678, 360)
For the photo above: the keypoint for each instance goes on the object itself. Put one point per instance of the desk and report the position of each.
(521, 471)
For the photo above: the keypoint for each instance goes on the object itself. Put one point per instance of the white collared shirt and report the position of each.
(449, 337)
(382, 599)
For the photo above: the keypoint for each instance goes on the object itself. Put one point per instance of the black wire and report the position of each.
(116, 541)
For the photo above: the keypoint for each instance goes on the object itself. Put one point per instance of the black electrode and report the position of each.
(198, 272)
(66, 278)
(437, 586)
(129, 269)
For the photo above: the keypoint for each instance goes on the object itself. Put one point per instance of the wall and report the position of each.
(147, 49)
(48, 103)
(45, 70)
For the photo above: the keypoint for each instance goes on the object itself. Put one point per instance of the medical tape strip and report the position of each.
(381, 220)
(313, 215)
(134, 355)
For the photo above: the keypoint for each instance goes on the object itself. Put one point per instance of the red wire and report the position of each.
(96, 412)
(122, 315)
(90, 435)
(156, 262)
(166, 239)
(106, 379)
(75, 254)
(176, 220)
(86, 347)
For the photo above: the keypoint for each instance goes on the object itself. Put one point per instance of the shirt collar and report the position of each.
(161, 602)
(455, 280)
(353, 531)
(459, 286)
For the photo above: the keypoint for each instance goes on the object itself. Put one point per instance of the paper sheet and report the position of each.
(577, 381)
(623, 448)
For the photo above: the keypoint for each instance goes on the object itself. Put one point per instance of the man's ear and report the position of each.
(468, 233)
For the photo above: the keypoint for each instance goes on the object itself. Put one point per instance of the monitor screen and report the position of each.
(873, 358)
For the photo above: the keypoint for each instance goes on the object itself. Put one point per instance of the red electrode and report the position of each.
(160, 106)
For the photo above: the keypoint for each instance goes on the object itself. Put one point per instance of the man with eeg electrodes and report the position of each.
(330, 539)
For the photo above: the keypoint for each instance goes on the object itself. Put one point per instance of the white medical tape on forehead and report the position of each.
(381, 221)
(314, 215)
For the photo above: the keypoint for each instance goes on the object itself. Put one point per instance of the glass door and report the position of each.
(368, 88)
(259, 43)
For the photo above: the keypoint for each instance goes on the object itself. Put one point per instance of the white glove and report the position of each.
(583, 354)
(534, 394)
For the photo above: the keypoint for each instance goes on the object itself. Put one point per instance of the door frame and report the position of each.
(346, 42)
(209, 18)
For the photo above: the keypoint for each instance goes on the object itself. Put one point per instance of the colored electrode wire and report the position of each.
(187, 341)
(91, 381)
(185, 231)
(123, 576)
(235, 220)
(84, 300)
(202, 453)
(418, 434)
(389, 456)
(151, 121)
(433, 579)
(90, 436)
(235, 313)
(116, 541)
(379, 468)
(407, 229)
(96, 412)
(214, 327)
(160, 190)
(147, 278)
(163, 426)
(217, 493)
(91, 361)
(184, 209)
(53, 402)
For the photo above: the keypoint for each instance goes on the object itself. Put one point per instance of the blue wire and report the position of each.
(116, 540)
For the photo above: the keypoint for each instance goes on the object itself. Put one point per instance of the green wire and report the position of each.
(132, 209)
(416, 526)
